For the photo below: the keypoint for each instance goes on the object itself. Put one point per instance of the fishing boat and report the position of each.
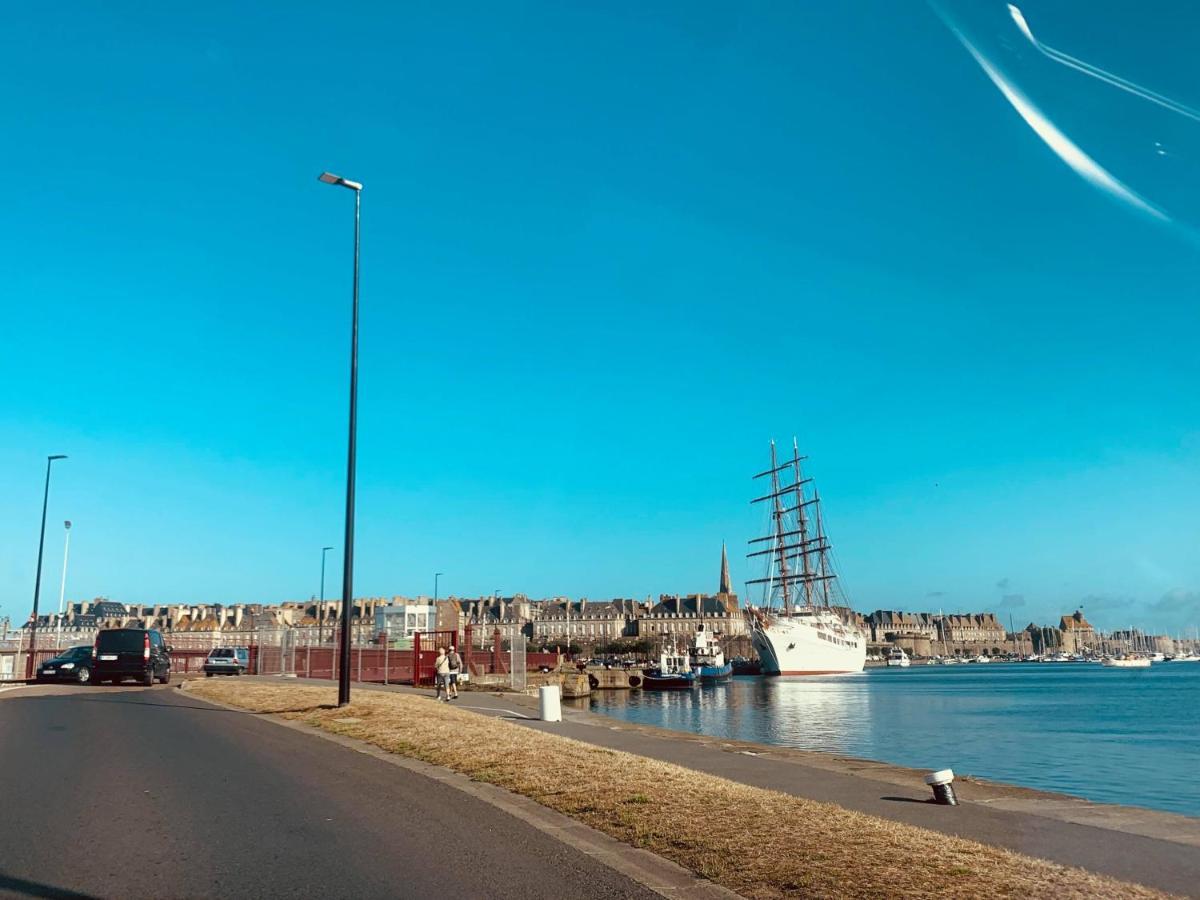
(796, 630)
(1127, 662)
(708, 659)
(898, 658)
(672, 673)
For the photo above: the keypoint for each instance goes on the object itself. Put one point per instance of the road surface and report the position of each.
(148, 792)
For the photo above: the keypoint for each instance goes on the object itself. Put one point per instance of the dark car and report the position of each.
(121, 653)
(226, 661)
(73, 665)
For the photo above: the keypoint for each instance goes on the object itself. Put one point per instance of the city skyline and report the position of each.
(595, 285)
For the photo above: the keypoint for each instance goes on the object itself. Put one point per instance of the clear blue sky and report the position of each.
(608, 253)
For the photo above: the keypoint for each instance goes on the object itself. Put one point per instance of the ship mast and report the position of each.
(790, 538)
(822, 551)
(802, 517)
(780, 543)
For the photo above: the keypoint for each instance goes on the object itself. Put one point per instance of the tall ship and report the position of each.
(796, 630)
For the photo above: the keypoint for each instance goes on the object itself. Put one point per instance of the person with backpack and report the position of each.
(455, 663)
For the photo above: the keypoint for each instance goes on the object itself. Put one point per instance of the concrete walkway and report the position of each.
(1157, 849)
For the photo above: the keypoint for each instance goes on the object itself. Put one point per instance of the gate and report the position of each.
(425, 651)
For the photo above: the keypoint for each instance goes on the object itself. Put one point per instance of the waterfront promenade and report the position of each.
(1157, 849)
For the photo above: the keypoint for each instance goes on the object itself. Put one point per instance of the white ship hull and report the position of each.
(807, 643)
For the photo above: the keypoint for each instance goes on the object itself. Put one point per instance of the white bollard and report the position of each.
(551, 704)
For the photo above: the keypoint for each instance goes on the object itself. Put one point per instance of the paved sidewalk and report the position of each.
(1156, 849)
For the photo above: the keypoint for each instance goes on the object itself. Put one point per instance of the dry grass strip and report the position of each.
(760, 843)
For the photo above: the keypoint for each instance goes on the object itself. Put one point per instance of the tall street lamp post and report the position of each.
(321, 609)
(436, 576)
(37, 585)
(348, 544)
(62, 588)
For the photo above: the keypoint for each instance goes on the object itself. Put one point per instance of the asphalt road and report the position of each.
(147, 792)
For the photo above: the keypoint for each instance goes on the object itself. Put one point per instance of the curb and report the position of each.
(648, 869)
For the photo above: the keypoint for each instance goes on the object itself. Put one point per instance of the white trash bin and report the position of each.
(551, 703)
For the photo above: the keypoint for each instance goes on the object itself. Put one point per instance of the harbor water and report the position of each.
(1128, 736)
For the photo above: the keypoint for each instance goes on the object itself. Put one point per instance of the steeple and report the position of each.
(726, 587)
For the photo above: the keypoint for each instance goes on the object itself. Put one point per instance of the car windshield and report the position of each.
(122, 639)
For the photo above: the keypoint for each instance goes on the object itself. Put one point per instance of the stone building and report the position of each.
(585, 621)
(1077, 634)
(885, 625)
(972, 628)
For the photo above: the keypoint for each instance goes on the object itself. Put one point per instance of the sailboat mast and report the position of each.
(822, 551)
(780, 537)
(805, 566)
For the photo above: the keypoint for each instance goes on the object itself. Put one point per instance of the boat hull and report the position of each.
(807, 645)
(653, 680)
(716, 673)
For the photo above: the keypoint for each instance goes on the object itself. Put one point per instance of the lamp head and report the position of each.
(57, 456)
(330, 178)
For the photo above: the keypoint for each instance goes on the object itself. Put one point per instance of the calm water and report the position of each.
(1110, 735)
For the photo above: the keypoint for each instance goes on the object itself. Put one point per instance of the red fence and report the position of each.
(379, 664)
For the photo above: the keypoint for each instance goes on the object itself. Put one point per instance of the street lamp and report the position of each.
(321, 609)
(436, 576)
(62, 588)
(348, 544)
(37, 585)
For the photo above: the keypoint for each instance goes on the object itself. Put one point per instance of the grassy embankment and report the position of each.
(760, 843)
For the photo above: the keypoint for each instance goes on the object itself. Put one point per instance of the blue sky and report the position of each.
(608, 253)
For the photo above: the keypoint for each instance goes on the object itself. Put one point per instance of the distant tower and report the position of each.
(726, 586)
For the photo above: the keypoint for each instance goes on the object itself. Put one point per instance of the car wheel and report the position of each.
(166, 678)
(208, 674)
(84, 675)
(237, 671)
(148, 679)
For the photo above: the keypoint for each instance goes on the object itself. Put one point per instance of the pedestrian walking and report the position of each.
(441, 670)
(455, 662)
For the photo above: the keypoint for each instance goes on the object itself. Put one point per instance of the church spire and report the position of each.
(726, 587)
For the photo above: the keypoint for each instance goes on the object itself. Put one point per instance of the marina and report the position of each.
(1109, 735)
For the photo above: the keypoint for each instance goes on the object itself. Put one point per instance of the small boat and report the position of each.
(1127, 662)
(982, 658)
(672, 673)
(708, 659)
(898, 658)
(1187, 657)
(1032, 657)
(1157, 657)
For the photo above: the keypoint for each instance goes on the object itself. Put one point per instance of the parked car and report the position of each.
(140, 653)
(73, 665)
(227, 661)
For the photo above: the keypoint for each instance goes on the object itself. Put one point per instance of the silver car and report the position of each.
(227, 661)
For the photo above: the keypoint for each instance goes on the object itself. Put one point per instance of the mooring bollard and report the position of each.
(942, 782)
(551, 703)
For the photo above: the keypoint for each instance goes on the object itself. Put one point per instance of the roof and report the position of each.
(689, 606)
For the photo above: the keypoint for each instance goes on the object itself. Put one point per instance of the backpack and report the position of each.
(455, 660)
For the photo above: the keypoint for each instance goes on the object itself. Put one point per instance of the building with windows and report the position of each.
(1077, 633)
